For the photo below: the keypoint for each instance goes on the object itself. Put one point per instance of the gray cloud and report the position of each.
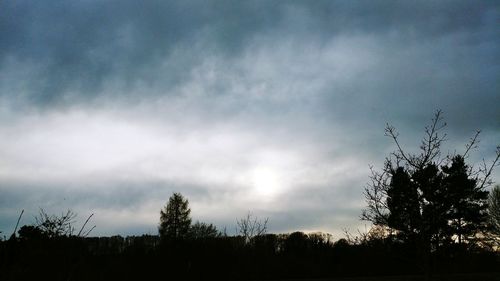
(111, 106)
(79, 46)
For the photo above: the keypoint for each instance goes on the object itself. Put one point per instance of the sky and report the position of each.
(277, 108)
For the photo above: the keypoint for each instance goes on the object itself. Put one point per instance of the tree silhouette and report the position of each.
(54, 226)
(203, 230)
(403, 204)
(175, 221)
(60, 225)
(428, 198)
(250, 227)
(30, 232)
(494, 210)
(467, 201)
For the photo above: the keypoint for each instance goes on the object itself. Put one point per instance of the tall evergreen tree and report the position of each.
(425, 200)
(467, 201)
(175, 219)
(403, 204)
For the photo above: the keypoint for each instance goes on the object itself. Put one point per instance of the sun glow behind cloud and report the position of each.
(240, 168)
(103, 146)
(267, 183)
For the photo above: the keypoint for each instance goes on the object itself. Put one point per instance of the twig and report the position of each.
(88, 232)
(17, 224)
(83, 226)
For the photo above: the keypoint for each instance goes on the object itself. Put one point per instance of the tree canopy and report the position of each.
(175, 220)
(203, 230)
(429, 198)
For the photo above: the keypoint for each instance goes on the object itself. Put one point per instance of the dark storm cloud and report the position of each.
(77, 46)
(81, 44)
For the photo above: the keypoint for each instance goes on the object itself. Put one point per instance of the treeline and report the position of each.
(269, 256)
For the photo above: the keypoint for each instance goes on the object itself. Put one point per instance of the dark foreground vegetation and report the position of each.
(269, 256)
(433, 219)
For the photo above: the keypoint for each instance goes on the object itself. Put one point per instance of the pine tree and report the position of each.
(467, 213)
(175, 220)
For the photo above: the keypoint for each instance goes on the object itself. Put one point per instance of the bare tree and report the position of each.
(494, 218)
(63, 225)
(53, 225)
(376, 232)
(250, 227)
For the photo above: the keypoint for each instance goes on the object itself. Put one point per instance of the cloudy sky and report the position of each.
(273, 107)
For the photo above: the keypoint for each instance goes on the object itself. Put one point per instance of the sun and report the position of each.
(266, 182)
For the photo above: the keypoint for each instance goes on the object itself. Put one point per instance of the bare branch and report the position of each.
(250, 227)
(472, 144)
(391, 132)
(486, 171)
(88, 232)
(375, 194)
(83, 226)
(17, 224)
(432, 141)
(53, 225)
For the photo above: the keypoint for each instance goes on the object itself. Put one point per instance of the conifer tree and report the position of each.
(175, 220)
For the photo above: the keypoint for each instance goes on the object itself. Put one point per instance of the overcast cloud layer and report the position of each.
(274, 107)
